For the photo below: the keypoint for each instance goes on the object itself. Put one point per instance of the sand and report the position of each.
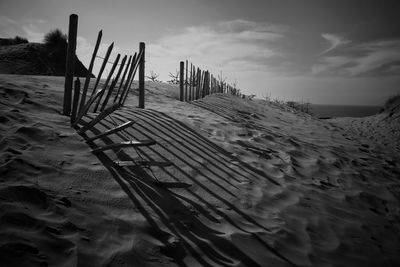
(251, 184)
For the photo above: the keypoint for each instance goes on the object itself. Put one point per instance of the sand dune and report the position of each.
(250, 184)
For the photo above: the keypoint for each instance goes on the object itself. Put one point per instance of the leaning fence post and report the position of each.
(128, 80)
(141, 74)
(123, 78)
(108, 53)
(75, 103)
(107, 81)
(89, 73)
(69, 68)
(113, 84)
(181, 75)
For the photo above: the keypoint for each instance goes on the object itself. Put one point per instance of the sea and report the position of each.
(334, 111)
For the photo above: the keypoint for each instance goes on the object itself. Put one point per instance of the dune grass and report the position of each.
(391, 104)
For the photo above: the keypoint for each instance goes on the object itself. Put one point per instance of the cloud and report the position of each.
(233, 46)
(33, 33)
(334, 41)
(8, 27)
(28, 28)
(375, 58)
(382, 57)
(7, 20)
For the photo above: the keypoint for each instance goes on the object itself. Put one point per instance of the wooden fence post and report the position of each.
(186, 82)
(190, 82)
(181, 75)
(77, 89)
(193, 80)
(200, 83)
(141, 74)
(69, 68)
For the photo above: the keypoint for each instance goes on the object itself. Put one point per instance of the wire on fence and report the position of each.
(109, 62)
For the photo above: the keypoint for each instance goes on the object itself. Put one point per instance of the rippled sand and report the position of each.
(251, 184)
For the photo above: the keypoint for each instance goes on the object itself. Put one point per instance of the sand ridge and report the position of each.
(251, 185)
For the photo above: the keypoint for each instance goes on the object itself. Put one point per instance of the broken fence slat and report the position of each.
(86, 107)
(99, 117)
(143, 163)
(132, 143)
(113, 130)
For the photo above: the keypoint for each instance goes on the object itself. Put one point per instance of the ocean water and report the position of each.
(330, 111)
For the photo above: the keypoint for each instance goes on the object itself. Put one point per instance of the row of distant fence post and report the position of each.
(195, 83)
(78, 106)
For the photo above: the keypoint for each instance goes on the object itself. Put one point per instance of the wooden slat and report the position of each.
(113, 84)
(143, 163)
(89, 73)
(128, 80)
(77, 89)
(123, 78)
(108, 53)
(132, 143)
(99, 117)
(86, 107)
(113, 130)
(138, 59)
(107, 81)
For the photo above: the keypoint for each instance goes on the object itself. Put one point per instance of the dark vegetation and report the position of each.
(18, 56)
(174, 77)
(392, 105)
(55, 39)
(13, 41)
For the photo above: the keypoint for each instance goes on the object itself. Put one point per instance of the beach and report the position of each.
(250, 183)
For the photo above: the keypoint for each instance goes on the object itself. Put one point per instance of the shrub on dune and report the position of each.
(13, 41)
(20, 40)
(56, 39)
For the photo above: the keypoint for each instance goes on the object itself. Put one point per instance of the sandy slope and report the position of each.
(382, 129)
(250, 185)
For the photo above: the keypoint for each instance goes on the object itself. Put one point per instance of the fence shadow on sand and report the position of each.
(192, 198)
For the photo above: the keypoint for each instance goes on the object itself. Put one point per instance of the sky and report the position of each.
(320, 51)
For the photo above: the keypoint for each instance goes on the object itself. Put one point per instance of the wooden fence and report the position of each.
(195, 83)
(113, 94)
